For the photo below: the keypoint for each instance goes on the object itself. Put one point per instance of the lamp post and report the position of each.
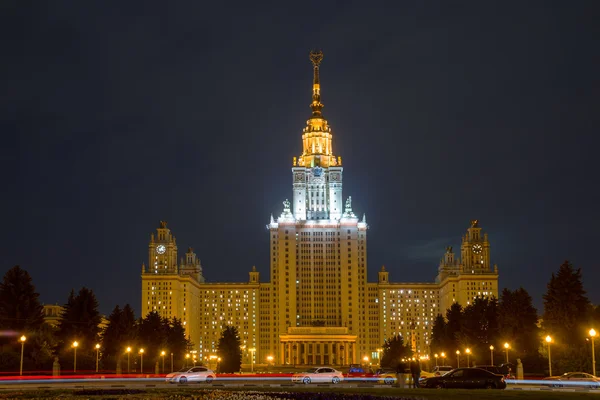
(22, 340)
(458, 358)
(252, 350)
(506, 346)
(549, 340)
(194, 359)
(491, 355)
(75, 344)
(593, 335)
(342, 351)
(269, 360)
(366, 360)
(128, 351)
(468, 351)
(97, 353)
(436, 357)
(443, 357)
(142, 361)
(187, 357)
(379, 356)
(171, 362)
(162, 353)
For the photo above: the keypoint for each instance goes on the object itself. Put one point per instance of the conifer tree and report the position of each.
(229, 350)
(20, 308)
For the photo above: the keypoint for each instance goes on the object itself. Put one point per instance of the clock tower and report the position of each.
(317, 173)
(162, 251)
(475, 250)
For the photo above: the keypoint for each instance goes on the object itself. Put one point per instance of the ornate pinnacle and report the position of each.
(316, 56)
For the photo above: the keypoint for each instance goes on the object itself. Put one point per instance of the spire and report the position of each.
(316, 56)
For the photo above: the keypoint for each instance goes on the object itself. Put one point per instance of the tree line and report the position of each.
(486, 325)
(21, 314)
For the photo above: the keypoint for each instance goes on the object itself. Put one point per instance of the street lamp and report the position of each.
(75, 344)
(252, 350)
(142, 361)
(379, 356)
(194, 359)
(549, 340)
(468, 351)
(443, 357)
(97, 352)
(171, 362)
(162, 353)
(128, 351)
(492, 355)
(592, 335)
(458, 358)
(187, 357)
(366, 360)
(436, 356)
(22, 339)
(270, 359)
(506, 346)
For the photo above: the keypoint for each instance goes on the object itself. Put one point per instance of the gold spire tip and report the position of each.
(316, 56)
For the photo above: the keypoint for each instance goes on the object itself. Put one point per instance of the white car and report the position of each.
(191, 374)
(319, 374)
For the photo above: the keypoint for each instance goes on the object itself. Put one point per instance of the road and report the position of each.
(222, 383)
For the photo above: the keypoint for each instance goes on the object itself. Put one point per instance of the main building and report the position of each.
(318, 307)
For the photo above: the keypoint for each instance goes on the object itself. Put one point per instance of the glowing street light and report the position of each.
(366, 359)
(162, 354)
(458, 358)
(171, 362)
(379, 351)
(22, 340)
(549, 340)
(75, 344)
(142, 361)
(436, 357)
(593, 335)
(468, 351)
(443, 355)
(187, 357)
(492, 355)
(270, 359)
(506, 346)
(97, 352)
(128, 351)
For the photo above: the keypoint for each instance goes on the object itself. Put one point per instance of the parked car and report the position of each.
(318, 374)
(359, 373)
(387, 376)
(466, 378)
(494, 369)
(439, 370)
(191, 374)
(574, 379)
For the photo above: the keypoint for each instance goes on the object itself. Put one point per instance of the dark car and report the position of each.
(499, 370)
(466, 378)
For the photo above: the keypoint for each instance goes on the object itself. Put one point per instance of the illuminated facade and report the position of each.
(318, 307)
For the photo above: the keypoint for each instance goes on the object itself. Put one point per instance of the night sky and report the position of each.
(115, 116)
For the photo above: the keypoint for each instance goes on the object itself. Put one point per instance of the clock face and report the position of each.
(160, 249)
(477, 249)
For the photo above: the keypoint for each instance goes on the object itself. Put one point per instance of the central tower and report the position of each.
(318, 256)
(316, 172)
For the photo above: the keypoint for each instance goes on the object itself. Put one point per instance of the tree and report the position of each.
(440, 342)
(152, 334)
(566, 306)
(479, 327)
(453, 327)
(176, 341)
(20, 309)
(518, 320)
(79, 322)
(229, 350)
(394, 352)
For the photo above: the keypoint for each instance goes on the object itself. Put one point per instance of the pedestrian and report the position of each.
(415, 371)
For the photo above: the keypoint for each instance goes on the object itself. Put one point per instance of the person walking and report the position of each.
(415, 371)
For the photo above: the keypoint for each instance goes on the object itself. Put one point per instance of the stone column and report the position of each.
(354, 352)
(281, 353)
(346, 352)
(288, 353)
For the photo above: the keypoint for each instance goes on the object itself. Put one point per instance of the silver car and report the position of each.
(319, 374)
(191, 374)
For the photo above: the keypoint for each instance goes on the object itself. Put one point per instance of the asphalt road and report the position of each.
(159, 383)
